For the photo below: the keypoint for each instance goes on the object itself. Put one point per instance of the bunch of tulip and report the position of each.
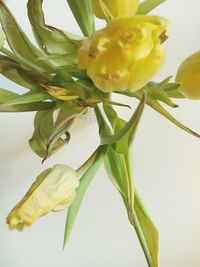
(67, 75)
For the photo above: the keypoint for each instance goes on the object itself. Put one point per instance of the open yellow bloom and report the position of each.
(126, 54)
(53, 190)
(115, 8)
(188, 76)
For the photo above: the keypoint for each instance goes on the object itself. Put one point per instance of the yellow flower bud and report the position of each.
(188, 76)
(126, 54)
(53, 190)
(115, 8)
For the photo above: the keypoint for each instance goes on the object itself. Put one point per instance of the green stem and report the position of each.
(86, 165)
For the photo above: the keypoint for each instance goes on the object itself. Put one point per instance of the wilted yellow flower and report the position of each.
(53, 190)
(188, 76)
(115, 8)
(126, 54)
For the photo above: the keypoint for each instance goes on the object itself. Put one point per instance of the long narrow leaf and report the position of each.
(85, 181)
(16, 73)
(30, 97)
(146, 231)
(18, 41)
(156, 106)
(8, 96)
(50, 39)
(82, 11)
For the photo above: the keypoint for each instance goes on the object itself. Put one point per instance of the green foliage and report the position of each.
(48, 135)
(118, 166)
(18, 41)
(148, 5)
(82, 11)
(96, 161)
(12, 102)
(53, 41)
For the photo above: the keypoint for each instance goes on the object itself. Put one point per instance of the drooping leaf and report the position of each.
(16, 73)
(85, 181)
(148, 5)
(68, 112)
(18, 41)
(82, 11)
(51, 40)
(44, 125)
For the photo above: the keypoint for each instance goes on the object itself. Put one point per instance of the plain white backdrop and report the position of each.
(166, 166)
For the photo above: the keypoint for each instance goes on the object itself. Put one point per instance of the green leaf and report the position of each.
(114, 170)
(144, 227)
(156, 106)
(50, 39)
(146, 231)
(30, 97)
(68, 112)
(2, 38)
(172, 90)
(8, 96)
(18, 41)
(16, 73)
(148, 5)
(85, 181)
(82, 11)
(157, 91)
(44, 125)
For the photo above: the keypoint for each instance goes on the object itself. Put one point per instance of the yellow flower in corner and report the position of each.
(53, 190)
(114, 8)
(188, 76)
(126, 54)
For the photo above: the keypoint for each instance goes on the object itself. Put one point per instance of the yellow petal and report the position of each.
(126, 54)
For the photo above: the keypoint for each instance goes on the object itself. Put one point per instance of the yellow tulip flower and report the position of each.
(188, 76)
(53, 190)
(126, 54)
(103, 8)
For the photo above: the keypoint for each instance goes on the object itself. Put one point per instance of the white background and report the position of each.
(166, 167)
